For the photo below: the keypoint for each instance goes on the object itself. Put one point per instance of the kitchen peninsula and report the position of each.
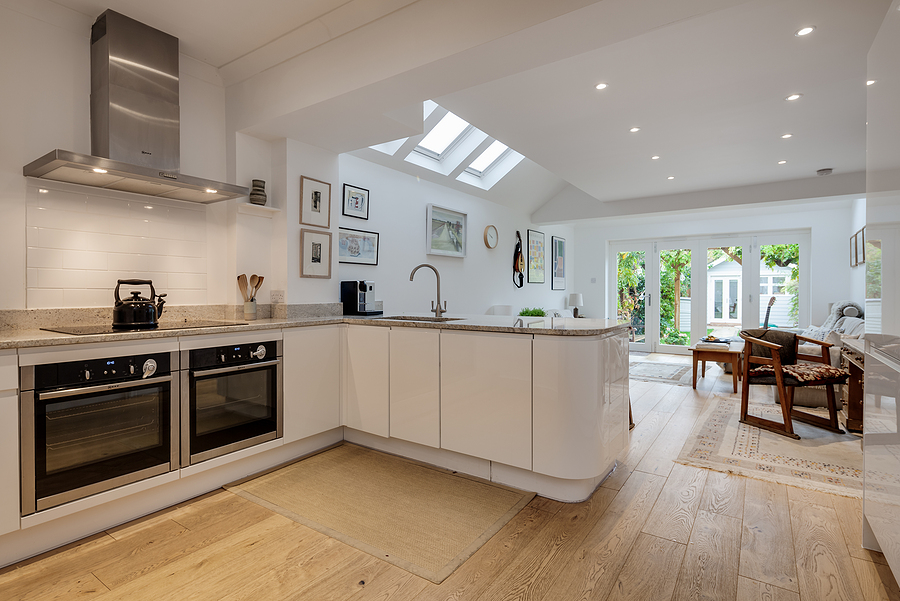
(537, 404)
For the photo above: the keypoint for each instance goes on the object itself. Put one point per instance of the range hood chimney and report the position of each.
(135, 119)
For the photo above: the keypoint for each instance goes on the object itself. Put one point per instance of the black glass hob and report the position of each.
(169, 325)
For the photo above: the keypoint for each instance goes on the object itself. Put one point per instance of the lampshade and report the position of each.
(576, 300)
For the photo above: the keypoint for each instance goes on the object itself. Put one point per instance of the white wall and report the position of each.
(830, 224)
(470, 285)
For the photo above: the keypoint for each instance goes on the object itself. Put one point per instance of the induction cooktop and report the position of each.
(169, 325)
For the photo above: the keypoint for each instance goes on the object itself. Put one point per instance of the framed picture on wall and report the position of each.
(315, 254)
(853, 257)
(446, 232)
(536, 257)
(357, 246)
(356, 202)
(861, 246)
(315, 202)
(558, 279)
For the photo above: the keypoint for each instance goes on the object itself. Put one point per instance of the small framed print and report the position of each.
(356, 202)
(861, 246)
(558, 280)
(357, 246)
(315, 202)
(446, 232)
(315, 254)
(536, 257)
(854, 261)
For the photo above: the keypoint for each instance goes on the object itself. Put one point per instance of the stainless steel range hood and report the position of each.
(135, 119)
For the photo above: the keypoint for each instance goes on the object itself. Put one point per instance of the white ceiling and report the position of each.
(704, 79)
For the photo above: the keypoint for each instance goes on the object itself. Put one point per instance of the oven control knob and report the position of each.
(87, 374)
(149, 368)
(259, 353)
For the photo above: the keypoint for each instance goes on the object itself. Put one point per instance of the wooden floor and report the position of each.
(654, 530)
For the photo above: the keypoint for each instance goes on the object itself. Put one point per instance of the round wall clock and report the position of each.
(490, 236)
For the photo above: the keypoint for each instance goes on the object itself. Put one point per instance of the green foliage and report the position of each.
(536, 312)
(674, 284)
(782, 255)
(630, 292)
(873, 268)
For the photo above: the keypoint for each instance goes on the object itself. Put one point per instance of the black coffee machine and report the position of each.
(358, 297)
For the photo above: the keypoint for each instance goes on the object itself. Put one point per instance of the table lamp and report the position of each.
(576, 300)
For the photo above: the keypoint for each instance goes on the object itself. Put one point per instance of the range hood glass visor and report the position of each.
(74, 168)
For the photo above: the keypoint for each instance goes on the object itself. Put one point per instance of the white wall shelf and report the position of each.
(260, 211)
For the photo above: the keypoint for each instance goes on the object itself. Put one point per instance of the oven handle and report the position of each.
(57, 394)
(225, 370)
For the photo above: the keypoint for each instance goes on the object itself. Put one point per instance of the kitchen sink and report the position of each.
(414, 318)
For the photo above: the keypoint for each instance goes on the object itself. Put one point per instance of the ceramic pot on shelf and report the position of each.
(258, 192)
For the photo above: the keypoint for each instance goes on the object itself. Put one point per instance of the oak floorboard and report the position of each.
(544, 504)
(813, 497)
(823, 563)
(477, 573)
(339, 585)
(592, 570)
(753, 590)
(767, 551)
(673, 515)
(661, 455)
(537, 565)
(850, 515)
(724, 494)
(650, 570)
(641, 439)
(671, 401)
(876, 581)
(709, 570)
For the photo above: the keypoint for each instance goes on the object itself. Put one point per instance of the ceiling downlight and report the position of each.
(804, 31)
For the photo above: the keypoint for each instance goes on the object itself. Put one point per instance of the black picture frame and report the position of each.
(356, 202)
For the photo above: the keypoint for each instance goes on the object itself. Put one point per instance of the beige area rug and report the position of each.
(657, 371)
(820, 460)
(423, 519)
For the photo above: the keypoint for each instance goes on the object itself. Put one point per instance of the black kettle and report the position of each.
(137, 312)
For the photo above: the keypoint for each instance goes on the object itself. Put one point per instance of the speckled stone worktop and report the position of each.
(29, 337)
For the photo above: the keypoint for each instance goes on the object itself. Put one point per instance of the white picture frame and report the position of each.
(315, 254)
(446, 231)
(315, 202)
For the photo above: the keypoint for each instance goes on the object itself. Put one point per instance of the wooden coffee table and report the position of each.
(731, 355)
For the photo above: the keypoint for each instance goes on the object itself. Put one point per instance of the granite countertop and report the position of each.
(27, 338)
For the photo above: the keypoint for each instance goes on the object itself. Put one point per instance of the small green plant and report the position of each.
(536, 312)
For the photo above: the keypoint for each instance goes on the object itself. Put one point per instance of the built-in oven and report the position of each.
(90, 426)
(232, 399)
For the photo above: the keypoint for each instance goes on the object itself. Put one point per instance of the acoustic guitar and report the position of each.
(768, 310)
(518, 263)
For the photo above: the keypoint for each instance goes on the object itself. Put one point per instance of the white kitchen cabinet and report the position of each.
(312, 381)
(9, 442)
(415, 386)
(365, 394)
(486, 395)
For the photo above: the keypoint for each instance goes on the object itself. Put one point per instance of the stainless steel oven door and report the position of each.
(83, 440)
(230, 408)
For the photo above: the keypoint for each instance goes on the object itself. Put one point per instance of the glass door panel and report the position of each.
(631, 293)
(724, 274)
(779, 284)
(675, 297)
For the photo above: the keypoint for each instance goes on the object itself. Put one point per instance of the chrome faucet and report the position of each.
(436, 310)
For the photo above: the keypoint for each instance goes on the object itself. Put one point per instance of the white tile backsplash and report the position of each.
(80, 243)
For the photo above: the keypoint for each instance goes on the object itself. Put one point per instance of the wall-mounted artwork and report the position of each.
(357, 246)
(315, 202)
(861, 246)
(356, 202)
(854, 261)
(446, 232)
(535, 257)
(558, 280)
(315, 254)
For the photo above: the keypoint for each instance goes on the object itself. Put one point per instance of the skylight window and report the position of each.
(443, 136)
(487, 158)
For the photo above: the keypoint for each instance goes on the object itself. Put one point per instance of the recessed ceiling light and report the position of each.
(871, 81)
(634, 129)
(671, 177)
(601, 86)
(211, 191)
(148, 206)
(654, 157)
(98, 170)
(43, 190)
(782, 162)
(786, 136)
(794, 97)
(804, 31)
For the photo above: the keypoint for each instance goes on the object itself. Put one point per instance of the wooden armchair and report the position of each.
(771, 358)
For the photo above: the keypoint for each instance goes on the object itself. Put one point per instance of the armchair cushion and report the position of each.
(800, 374)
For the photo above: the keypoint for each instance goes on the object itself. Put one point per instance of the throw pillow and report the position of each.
(815, 332)
(851, 311)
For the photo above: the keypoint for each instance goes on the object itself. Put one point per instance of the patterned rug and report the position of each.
(820, 460)
(657, 371)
